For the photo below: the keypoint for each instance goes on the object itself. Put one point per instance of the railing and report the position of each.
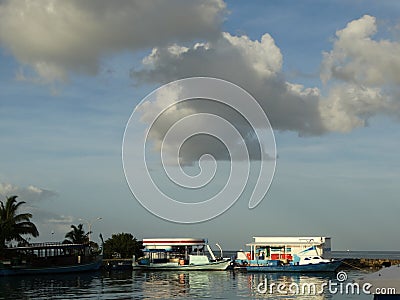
(45, 244)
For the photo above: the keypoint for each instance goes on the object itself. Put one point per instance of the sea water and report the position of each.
(180, 284)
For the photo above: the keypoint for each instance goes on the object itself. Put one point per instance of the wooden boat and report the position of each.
(180, 254)
(49, 258)
(278, 266)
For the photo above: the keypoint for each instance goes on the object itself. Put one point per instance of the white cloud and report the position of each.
(368, 70)
(365, 73)
(358, 58)
(253, 65)
(57, 37)
(28, 194)
(349, 106)
(263, 56)
(228, 53)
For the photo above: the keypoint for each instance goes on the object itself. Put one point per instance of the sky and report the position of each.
(326, 74)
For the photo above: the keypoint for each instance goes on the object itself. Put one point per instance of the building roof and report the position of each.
(173, 242)
(288, 240)
(283, 244)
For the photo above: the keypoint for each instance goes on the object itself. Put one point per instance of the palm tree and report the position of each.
(13, 225)
(77, 235)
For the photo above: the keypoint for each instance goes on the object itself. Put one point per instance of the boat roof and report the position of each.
(174, 242)
(57, 245)
(282, 244)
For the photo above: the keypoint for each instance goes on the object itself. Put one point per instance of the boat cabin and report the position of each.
(182, 251)
(46, 254)
(285, 249)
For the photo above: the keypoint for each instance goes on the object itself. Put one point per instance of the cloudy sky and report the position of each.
(326, 74)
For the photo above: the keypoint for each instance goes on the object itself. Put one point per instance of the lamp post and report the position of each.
(90, 222)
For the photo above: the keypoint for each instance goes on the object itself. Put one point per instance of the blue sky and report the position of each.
(66, 96)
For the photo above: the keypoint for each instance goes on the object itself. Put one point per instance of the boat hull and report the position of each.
(212, 266)
(321, 267)
(51, 270)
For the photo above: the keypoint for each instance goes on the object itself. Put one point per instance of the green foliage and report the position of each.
(13, 225)
(77, 235)
(124, 244)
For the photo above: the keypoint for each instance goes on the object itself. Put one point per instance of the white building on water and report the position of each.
(284, 248)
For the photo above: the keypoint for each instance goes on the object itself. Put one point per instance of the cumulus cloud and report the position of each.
(163, 113)
(253, 65)
(356, 57)
(29, 194)
(349, 106)
(56, 37)
(362, 74)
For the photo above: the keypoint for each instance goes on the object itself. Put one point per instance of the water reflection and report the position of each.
(187, 284)
(228, 285)
(48, 286)
(289, 286)
(162, 285)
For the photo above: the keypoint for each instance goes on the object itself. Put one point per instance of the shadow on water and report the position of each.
(47, 286)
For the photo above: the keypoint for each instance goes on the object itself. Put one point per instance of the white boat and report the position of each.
(179, 254)
(306, 257)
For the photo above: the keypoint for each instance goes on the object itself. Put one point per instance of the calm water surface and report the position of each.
(163, 285)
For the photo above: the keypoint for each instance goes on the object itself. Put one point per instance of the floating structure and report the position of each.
(287, 254)
(49, 258)
(179, 253)
(284, 248)
(303, 262)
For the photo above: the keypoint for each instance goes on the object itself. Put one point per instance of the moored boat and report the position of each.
(286, 255)
(117, 264)
(278, 266)
(180, 254)
(49, 258)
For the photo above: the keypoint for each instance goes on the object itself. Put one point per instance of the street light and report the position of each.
(90, 224)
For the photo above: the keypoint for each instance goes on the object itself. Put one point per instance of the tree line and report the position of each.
(17, 227)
